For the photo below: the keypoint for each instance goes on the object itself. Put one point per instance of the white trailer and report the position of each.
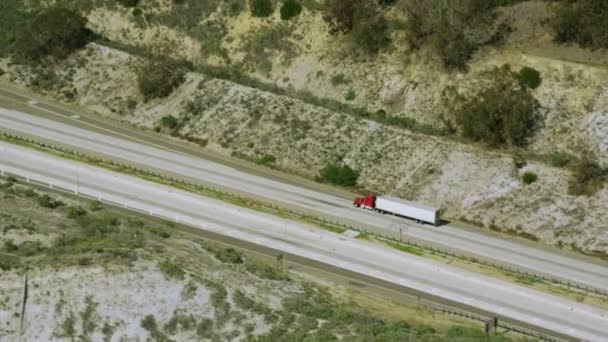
(401, 207)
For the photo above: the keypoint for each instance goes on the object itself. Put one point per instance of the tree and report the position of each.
(339, 15)
(158, 78)
(529, 77)
(582, 22)
(499, 112)
(56, 32)
(341, 175)
(453, 28)
(261, 8)
(290, 9)
(128, 3)
(361, 17)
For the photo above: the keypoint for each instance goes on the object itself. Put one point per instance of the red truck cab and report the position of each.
(367, 202)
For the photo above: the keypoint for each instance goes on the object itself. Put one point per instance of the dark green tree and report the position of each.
(500, 112)
(56, 32)
(159, 77)
(261, 8)
(339, 174)
(290, 9)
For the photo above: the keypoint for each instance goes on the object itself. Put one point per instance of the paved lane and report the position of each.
(507, 300)
(523, 257)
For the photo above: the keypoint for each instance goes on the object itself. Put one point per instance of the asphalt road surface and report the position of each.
(136, 152)
(505, 299)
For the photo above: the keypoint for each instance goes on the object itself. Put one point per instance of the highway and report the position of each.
(138, 153)
(507, 300)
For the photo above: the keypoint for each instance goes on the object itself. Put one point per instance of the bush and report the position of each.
(128, 3)
(499, 113)
(169, 122)
(340, 15)
(76, 212)
(529, 78)
(158, 78)
(454, 28)
(371, 33)
(588, 178)
(582, 22)
(560, 159)
(338, 79)
(341, 175)
(55, 32)
(350, 95)
(229, 255)
(48, 202)
(529, 177)
(261, 8)
(171, 270)
(290, 9)
(266, 160)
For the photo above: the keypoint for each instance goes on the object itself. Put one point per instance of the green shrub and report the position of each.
(229, 255)
(340, 175)
(48, 202)
(457, 331)
(453, 29)
(290, 9)
(266, 160)
(128, 3)
(76, 212)
(159, 77)
(137, 12)
(149, 323)
(55, 32)
(171, 270)
(338, 79)
(500, 113)
(529, 177)
(169, 122)
(261, 8)
(560, 159)
(588, 178)
(350, 95)
(371, 33)
(529, 77)
(582, 22)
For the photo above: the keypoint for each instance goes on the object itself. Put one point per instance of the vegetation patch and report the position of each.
(56, 31)
(261, 8)
(157, 78)
(588, 178)
(453, 29)
(290, 9)
(529, 177)
(500, 112)
(582, 22)
(337, 174)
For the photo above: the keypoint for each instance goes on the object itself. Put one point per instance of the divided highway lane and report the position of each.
(509, 301)
(521, 256)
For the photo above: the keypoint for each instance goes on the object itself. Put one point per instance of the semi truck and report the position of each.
(400, 207)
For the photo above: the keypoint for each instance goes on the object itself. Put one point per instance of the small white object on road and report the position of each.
(75, 116)
(32, 102)
(351, 233)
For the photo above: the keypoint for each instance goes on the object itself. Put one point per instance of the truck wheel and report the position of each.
(357, 205)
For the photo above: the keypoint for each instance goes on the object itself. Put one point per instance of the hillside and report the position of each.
(291, 90)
